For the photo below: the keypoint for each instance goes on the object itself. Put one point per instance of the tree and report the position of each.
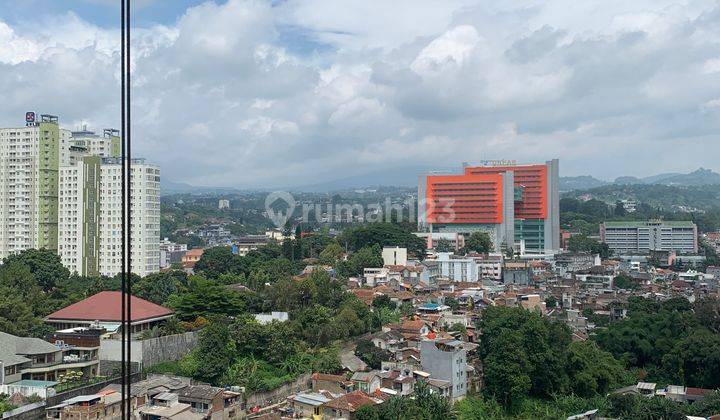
(551, 301)
(44, 264)
(332, 253)
(707, 311)
(215, 351)
(694, 360)
(204, 298)
(359, 260)
(383, 301)
(505, 369)
(158, 287)
(582, 243)
(478, 242)
(452, 303)
(370, 354)
(443, 245)
(624, 281)
(383, 234)
(214, 262)
(620, 209)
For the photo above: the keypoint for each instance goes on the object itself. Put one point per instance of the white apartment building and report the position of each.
(107, 145)
(457, 268)
(29, 161)
(90, 216)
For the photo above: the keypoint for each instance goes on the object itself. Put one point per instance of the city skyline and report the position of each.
(281, 82)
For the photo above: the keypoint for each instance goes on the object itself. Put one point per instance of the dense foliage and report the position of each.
(668, 340)
(526, 355)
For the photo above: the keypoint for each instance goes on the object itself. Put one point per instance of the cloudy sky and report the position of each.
(277, 93)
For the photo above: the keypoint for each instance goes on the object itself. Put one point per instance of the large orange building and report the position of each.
(517, 205)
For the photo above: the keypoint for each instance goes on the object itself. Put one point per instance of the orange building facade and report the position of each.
(517, 205)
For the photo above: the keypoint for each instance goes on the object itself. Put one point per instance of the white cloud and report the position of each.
(226, 97)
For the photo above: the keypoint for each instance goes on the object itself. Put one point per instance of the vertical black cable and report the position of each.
(123, 327)
(128, 169)
(126, 179)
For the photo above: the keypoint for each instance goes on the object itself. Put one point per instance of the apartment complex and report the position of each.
(29, 161)
(652, 235)
(106, 145)
(60, 190)
(90, 216)
(517, 205)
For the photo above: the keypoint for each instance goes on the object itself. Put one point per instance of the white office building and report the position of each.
(90, 216)
(652, 235)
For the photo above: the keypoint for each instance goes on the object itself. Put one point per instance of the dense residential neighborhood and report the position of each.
(303, 327)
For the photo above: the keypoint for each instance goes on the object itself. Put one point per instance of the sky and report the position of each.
(280, 93)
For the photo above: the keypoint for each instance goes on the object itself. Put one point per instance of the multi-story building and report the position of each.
(60, 190)
(457, 268)
(171, 253)
(32, 366)
(29, 160)
(489, 265)
(517, 205)
(90, 216)
(446, 360)
(652, 235)
(107, 145)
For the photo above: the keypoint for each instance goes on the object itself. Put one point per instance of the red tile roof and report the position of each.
(106, 306)
(351, 402)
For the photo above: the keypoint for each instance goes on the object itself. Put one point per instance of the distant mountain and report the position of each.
(391, 177)
(583, 182)
(698, 177)
(168, 187)
(408, 177)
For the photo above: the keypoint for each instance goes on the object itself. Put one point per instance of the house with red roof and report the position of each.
(345, 406)
(104, 309)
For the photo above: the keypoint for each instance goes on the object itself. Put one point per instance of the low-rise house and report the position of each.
(389, 340)
(532, 302)
(345, 406)
(211, 401)
(448, 319)
(191, 257)
(165, 406)
(680, 393)
(402, 383)
(104, 309)
(457, 268)
(33, 366)
(367, 382)
(101, 406)
(517, 272)
(310, 404)
(489, 265)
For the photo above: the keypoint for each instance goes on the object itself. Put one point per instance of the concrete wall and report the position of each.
(302, 383)
(153, 350)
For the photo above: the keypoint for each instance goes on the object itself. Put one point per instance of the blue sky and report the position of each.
(260, 93)
(104, 13)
